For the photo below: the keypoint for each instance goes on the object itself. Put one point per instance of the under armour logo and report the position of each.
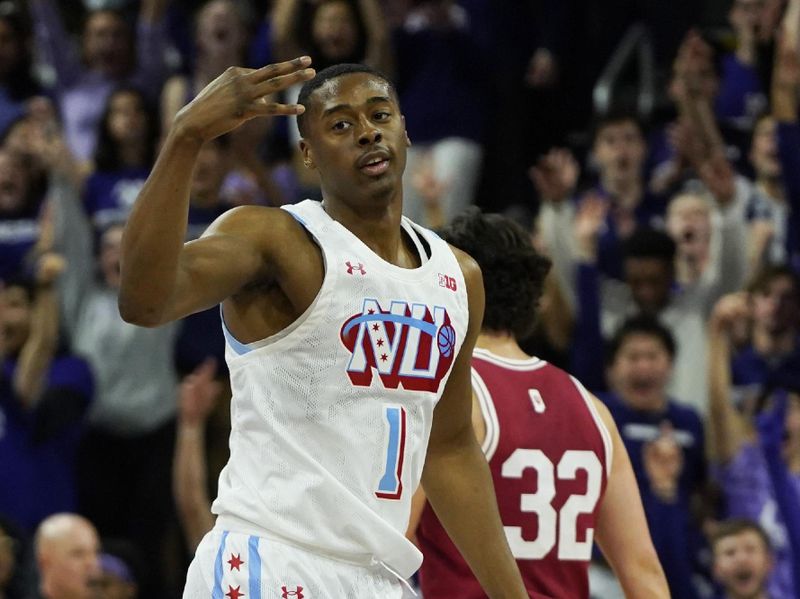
(358, 268)
(297, 592)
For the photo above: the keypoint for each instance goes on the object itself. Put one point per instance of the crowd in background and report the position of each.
(668, 201)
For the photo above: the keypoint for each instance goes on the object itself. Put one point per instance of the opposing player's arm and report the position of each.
(159, 281)
(622, 531)
(456, 477)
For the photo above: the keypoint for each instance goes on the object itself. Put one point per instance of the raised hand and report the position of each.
(239, 95)
(555, 175)
(663, 463)
(198, 394)
(589, 221)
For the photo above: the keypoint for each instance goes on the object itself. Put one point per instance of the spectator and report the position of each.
(67, 551)
(742, 560)
(198, 393)
(45, 400)
(15, 569)
(110, 56)
(442, 78)
(125, 153)
(665, 441)
(331, 32)
(22, 190)
(116, 579)
(739, 464)
(689, 224)
(16, 82)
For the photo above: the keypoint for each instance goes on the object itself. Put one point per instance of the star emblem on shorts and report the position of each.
(235, 562)
(234, 593)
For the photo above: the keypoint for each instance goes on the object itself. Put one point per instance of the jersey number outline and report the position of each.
(390, 485)
(540, 503)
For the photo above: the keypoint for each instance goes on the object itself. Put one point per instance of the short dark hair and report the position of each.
(325, 75)
(645, 242)
(513, 271)
(736, 526)
(765, 276)
(615, 117)
(640, 325)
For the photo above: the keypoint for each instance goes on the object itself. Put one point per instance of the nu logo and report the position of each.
(407, 344)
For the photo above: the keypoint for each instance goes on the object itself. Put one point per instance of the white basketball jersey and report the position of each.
(331, 417)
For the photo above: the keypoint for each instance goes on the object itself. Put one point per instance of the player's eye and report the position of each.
(381, 115)
(340, 126)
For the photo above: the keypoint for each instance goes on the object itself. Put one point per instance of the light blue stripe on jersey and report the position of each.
(216, 593)
(254, 568)
(237, 346)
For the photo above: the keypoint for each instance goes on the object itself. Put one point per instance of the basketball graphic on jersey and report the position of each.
(409, 344)
(446, 339)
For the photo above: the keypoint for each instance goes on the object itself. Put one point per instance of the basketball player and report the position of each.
(560, 470)
(345, 325)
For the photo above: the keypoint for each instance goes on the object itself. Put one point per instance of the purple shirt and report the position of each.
(748, 494)
(82, 93)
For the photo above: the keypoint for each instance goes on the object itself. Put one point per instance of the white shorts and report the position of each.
(231, 565)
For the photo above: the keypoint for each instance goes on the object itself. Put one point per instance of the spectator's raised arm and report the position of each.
(54, 44)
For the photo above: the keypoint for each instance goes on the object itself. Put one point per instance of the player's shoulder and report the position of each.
(260, 224)
(469, 267)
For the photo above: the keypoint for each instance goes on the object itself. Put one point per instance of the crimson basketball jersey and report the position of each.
(550, 454)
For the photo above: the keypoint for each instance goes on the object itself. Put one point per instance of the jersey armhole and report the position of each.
(605, 434)
(492, 438)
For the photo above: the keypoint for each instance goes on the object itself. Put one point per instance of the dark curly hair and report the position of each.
(513, 272)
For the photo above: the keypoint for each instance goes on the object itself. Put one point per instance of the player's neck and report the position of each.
(501, 344)
(378, 229)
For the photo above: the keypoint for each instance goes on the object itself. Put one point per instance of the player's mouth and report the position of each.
(374, 163)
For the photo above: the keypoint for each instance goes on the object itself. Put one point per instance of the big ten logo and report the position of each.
(448, 282)
(408, 344)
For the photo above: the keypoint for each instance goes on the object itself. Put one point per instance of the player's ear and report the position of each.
(405, 131)
(308, 159)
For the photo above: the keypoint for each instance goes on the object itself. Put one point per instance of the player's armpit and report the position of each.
(622, 532)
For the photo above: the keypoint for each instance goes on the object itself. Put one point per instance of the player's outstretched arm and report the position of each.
(456, 477)
(154, 277)
(622, 531)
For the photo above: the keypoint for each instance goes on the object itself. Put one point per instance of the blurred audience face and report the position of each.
(107, 43)
(746, 14)
(220, 31)
(67, 549)
(15, 318)
(334, 29)
(742, 563)
(110, 250)
(764, 150)
(127, 120)
(14, 183)
(7, 559)
(650, 281)
(619, 150)
(640, 371)
(689, 224)
(209, 172)
(776, 308)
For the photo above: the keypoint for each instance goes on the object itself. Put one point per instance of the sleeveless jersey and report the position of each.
(549, 454)
(330, 418)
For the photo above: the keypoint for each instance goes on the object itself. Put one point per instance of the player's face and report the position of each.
(742, 564)
(641, 369)
(15, 318)
(650, 280)
(356, 139)
(72, 563)
(619, 150)
(776, 308)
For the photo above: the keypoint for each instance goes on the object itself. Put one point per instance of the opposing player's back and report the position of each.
(550, 455)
